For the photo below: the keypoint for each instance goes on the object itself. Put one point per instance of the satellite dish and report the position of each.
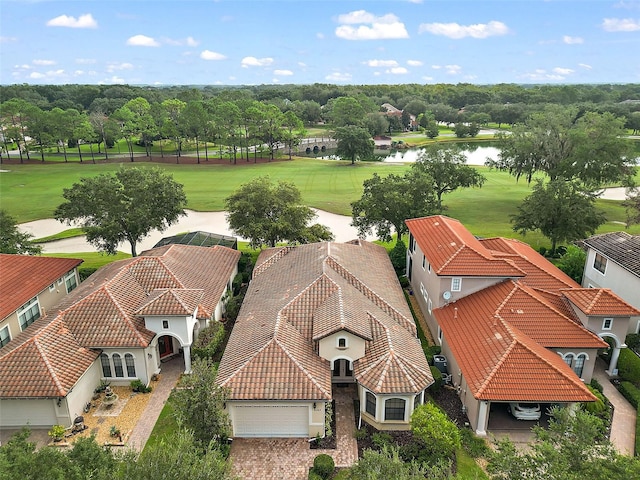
(446, 295)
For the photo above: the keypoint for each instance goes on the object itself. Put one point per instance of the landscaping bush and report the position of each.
(323, 465)
(475, 446)
(380, 439)
(437, 379)
(596, 384)
(360, 434)
(138, 386)
(630, 392)
(633, 341)
(398, 256)
(404, 281)
(231, 311)
(599, 406)
(209, 340)
(237, 283)
(86, 272)
(313, 475)
(629, 366)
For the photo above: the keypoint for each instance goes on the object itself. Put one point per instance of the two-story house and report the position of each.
(613, 261)
(316, 317)
(30, 286)
(117, 326)
(513, 327)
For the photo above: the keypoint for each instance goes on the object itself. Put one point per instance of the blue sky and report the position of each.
(244, 42)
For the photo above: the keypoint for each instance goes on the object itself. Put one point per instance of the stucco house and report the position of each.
(514, 328)
(117, 326)
(613, 261)
(316, 317)
(29, 286)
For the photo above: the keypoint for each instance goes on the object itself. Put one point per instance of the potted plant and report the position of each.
(56, 433)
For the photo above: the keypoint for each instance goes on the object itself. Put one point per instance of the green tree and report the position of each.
(376, 123)
(572, 262)
(346, 111)
(632, 205)
(268, 213)
(574, 447)
(12, 240)
(292, 131)
(561, 210)
(353, 143)
(198, 403)
(388, 201)
(123, 206)
(431, 425)
(387, 464)
(565, 143)
(448, 169)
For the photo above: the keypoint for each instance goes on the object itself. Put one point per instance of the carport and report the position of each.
(501, 420)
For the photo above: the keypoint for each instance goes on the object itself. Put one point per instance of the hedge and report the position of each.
(632, 393)
(629, 366)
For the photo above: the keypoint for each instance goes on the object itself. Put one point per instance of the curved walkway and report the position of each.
(623, 425)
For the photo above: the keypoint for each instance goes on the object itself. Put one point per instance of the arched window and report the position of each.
(130, 363)
(370, 407)
(568, 359)
(106, 365)
(117, 364)
(394, 409)
(578, 364)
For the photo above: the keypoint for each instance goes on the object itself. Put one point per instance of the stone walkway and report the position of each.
(291, 458)
(169, 375)
(623, 426)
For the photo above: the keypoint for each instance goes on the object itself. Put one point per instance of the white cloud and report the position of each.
(450, 69)
(256, 62)
(192, 42)
(457, 31)
(283, 73)
(621, 24)
(209, 55)
(397, 71)
(381, 63)
(572, 40)
(142, 41)
(189, 42)
(414, 63)
(541, 75)
(43, 62)
(370, 26)
(585, 66)
(338, 77)
(24, 66)
(78, 73)
(113, 67)
(85, 61)
(8, 39)
(427, 79)
(563, 71)
(36, 75)
(320, 36)
(116, 79)
(83, 21)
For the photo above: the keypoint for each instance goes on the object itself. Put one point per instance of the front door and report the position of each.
(342, 371)
(165, 346)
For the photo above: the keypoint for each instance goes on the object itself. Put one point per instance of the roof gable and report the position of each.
(600, 302)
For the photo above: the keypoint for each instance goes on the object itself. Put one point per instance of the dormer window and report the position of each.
(456, 284)
(342, 342)
(165, 324)
(607, 323)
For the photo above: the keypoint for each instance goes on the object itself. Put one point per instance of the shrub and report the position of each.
(209, 341)
(598, 407)
(404, 281)
(360, 434)
(323, 465)
(380, 439)
(542, 251)
(475, 446)
(433, 427)
(437, 379)
(231, 311)
(596, 384)
(101, 387)
(629, 366)
(313, 475)
(56, 432)
(237, 283)
(138, 386)
(631, 393)
(633, 341)
(86, 272)
(398, 256)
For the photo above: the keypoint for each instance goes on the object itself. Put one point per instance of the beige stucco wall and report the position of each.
(589, 364)
(328, 347)
(378, 421)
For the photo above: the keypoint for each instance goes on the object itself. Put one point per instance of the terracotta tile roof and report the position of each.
(272, 354)
(540, 273)
(600, 302)
(47, 364)
(498, 360)
(453, 251)
(621, 247)
(104, 311)
(22, 277)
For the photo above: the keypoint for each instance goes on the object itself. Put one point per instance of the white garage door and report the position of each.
(271, 421)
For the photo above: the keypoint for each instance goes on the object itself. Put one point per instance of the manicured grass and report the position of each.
(92, 260)
(31, 192)
(165, 426)
(70, 233)
(467, 468)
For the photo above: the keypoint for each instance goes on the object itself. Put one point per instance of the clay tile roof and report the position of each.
(600, 301)
(540, 273)
(271, 352)
(47, 363)
(621, 247)
(22, 277)
(171, 302)
(499, 361)
(453, 250)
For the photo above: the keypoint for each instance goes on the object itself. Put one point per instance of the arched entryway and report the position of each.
(616, 345)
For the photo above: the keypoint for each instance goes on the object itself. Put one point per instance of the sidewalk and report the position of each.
(169, 376)
(623, 426)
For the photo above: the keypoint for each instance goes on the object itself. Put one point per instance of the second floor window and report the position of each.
(600, 263)
(456, 284)
(29, 313)
(4, 336)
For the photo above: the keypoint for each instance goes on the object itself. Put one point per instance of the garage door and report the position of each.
(271, 421)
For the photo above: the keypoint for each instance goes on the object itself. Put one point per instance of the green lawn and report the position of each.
(31, 192)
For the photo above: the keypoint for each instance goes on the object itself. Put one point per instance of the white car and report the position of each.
(525, 411)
